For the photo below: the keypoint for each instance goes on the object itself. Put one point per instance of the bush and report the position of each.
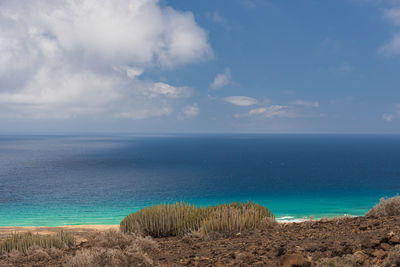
(180, 218)
(345, 261)
(164, 220)
(386, 207)
(22, 242)
(234, 218)
(394, 257)
(113, 248)
(117, 240)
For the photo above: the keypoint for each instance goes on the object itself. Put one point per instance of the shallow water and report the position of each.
(61, 180)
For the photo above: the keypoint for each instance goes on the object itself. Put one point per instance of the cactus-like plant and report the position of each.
(180, 218)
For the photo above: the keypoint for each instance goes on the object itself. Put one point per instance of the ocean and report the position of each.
(54, 180)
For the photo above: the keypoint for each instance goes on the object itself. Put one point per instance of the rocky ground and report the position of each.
(358, 241)
(292, 244)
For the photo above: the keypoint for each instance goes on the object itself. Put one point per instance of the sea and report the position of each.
(55, 180)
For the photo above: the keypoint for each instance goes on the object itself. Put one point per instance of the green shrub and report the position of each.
(22, 242)
(180, 218)
(386, 207)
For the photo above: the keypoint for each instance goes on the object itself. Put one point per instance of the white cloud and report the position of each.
(273, 111)
(392, 116)
(241, 100)
(313, 104)
(222, 79)
(257, 111)
(392, 47)
(189, 111)
(388, 117)
(393, 15)
(168, 90)
(74, 58)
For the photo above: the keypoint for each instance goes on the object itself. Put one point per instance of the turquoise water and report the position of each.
(67, 180)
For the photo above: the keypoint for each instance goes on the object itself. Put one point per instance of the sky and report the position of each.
(210, 66)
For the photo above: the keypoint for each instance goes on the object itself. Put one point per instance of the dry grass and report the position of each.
(22, 242)
(113, 248)
(95, 257)
(386, 207)
(181, 218)
(394, 257)
(345, 261)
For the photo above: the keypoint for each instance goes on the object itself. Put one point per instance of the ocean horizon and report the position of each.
(55, 180)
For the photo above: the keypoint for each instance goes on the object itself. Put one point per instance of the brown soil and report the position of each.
(367, 240)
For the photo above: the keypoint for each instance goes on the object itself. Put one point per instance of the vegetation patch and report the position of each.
(180, 218)
(386, 207)
(22, 242)
(113, 248)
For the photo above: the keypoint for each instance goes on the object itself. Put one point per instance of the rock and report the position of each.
(244, 257)
(375, 242)
(366, 242)
(362, 227)
(290, 260)
(380, 254)
(394, 240)
(281, 251)
(385, 246)
(360, 256)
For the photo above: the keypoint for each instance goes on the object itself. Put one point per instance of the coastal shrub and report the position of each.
(386, 207)
(164, 220)
(118, 240)
(344, 261)
(22, 242)
(234, 218)
(180, 218)
(95, 257)
(394, 257)
(113, 248)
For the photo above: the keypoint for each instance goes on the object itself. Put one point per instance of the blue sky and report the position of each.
(200, 66)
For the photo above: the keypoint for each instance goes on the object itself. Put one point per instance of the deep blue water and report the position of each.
(58, 180)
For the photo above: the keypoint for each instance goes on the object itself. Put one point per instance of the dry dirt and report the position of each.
(365, 241)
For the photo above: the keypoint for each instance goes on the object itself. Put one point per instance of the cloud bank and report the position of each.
(69, 58)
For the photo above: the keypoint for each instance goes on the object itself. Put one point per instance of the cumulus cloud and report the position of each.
(392, 47)
(241, 100)
(222, 80)
(67, 58)
(313, 104)
(189, 111)
(392, 116)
